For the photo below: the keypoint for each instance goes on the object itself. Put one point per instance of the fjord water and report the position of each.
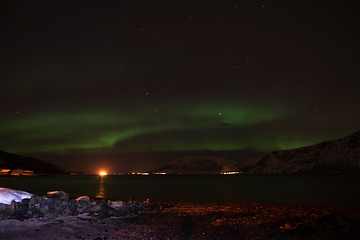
(265, 189)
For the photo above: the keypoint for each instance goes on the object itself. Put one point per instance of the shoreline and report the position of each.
(191, 220)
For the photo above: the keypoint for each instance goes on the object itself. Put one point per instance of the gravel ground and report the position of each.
(179, 220)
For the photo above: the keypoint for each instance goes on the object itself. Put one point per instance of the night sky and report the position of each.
(131, 85)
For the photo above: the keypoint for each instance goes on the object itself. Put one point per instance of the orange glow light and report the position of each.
(103, 173)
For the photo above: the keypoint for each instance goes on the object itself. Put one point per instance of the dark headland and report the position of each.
(13, 164)
(339, 156)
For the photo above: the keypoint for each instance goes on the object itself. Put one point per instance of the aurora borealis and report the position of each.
(128, 85)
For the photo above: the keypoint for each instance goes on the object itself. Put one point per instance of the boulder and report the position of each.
(94, 208)
(57, 203)
(59, 195)
(10, 209)
(116, 204)
(83, 199)
(33, 200)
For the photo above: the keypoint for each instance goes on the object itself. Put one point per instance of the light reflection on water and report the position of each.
(101, 193)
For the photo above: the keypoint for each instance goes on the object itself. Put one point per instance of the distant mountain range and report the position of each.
(336, 156)
(339, 156)
(13, 161)
(200, 165)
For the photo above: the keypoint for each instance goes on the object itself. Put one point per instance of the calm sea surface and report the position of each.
(266, 189)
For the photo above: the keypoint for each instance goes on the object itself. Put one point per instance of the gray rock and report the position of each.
(83, 199)
(66, 212)
(51, 215)
(2, 207)
(64, 204)
(25, 201)
(58, 210)
(44, 209)
(95, 208)
(116, 204)
(8, 210)
(33, 200)
(45, 201)
(73, 209)
(59, 195)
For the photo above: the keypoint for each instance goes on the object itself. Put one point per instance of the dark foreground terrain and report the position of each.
(179, 220)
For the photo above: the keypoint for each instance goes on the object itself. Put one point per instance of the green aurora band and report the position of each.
(173, 127)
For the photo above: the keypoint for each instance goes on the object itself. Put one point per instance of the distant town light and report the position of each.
(230, 173)
(103, 173)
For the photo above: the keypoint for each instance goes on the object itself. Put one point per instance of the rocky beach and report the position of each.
(55, 216)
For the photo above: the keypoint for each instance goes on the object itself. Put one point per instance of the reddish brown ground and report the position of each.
(247, 221)
(178, 220)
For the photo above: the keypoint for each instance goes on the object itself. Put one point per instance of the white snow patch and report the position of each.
(8, 195)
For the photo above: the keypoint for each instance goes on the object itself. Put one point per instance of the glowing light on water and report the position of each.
(103, 174)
